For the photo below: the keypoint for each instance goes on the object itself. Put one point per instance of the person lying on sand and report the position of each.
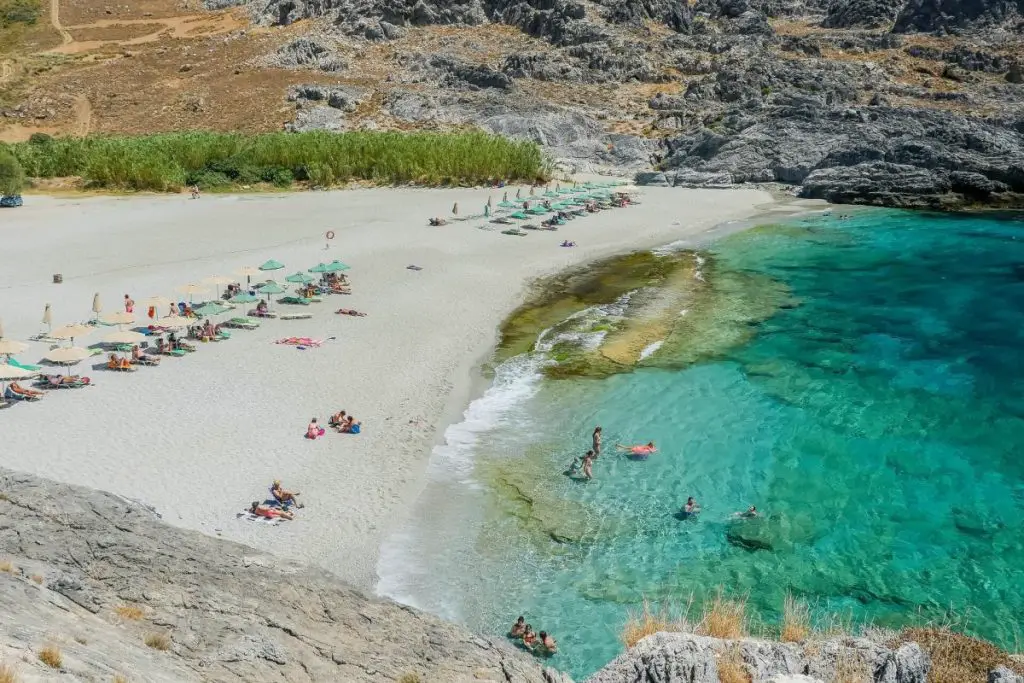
(350, 311)
(518, 628)
(284, 497)
(269, 512)
(438, 221)
(638, 449)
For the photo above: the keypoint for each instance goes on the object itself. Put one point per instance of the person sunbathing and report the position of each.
(351, 426)
(269, 512)
(350, 311)
(261, 307)
(23, 391)
(284, 497)
(117, 363)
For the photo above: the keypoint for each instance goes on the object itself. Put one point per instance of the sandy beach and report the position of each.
(199, 438)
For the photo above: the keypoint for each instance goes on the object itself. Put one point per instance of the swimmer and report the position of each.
(588, 462)
(749, 514)
(518, 629)
(691, 508)
(638, 449)
(597, 441)
(574, 468)
(529, 637)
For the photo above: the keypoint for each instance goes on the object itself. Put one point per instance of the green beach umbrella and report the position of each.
(507, 205)
(210, 309)
(336, 266)
(244, 298)
(537, 210)
(300, 278)
(319, 268)
(272, 265)
(270, 287)
(487, 210)
(519, 216)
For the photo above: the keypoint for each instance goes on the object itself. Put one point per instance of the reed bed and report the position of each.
(170, 161)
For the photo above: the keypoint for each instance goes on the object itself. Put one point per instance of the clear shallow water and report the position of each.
(878, 424)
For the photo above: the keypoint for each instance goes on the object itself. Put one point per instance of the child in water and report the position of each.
(574, 468)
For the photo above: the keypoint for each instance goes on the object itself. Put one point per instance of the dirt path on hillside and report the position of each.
(185, 26)
(65, 37)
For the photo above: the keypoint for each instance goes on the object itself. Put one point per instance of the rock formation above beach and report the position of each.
(119, 592)
(914, 103)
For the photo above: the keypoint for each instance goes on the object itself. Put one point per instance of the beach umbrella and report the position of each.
(490, 201)
(9, 347)
(48, 317)
(319, 268)
(272, 265)
(211, 308)
(119, 318)
(191, 289)
(336, 266)
(157, 301)
(505, 197)
(244, 298)
(71, 331)
(67, 355)
(270, 287)
(487, 210)
(519, 193)
(218, 281)
(300, 278)
(9, 372)
(97, 306)
(123, 337)
(519, 216)
(507, 205)
(531, 190)
(172, 322)
(455, 209)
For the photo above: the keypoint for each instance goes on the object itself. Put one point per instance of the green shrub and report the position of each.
(167, 161)
(12, 176)
(40, 139)
(19, 12)
(208, 180)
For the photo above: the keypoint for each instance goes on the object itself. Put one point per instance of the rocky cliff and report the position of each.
(118, 592)
(914, 103)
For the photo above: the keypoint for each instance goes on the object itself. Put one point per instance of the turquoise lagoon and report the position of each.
(870, 403)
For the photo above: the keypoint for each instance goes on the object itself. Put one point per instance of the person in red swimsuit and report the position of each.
(269, 512)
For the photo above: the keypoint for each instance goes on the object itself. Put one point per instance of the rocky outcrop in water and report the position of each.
(687, 658)
(119, 592)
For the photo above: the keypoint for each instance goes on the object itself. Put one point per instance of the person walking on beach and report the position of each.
(597, 442)
(129, 304)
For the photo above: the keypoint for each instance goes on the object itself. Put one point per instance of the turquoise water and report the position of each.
(877, 423)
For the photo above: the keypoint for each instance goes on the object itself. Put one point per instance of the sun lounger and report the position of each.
(296, 316)
(13, 394)
(144, 359)
(256, 314)
(295, 300)
(24, 366)
(514, 231)
(121, 364)
(242, 323)
(4, 403)
(62, 382)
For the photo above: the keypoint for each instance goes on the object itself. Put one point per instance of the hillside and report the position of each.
(906, 103)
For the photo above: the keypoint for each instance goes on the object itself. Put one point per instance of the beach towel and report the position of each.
(250, 517)
(300, 341)
(296, 316)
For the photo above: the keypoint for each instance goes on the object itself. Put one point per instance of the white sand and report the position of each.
(200, 437)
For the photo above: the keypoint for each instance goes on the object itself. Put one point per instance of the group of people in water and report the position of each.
(538, 643)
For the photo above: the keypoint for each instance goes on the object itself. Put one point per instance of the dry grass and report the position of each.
(410, 678)
(957, 658)
(724, 617)
(796, 620)
(130, 612)
(51, 656)
(81, 640)
(158, 641)
(119, 679)
(7, 674)
(731, 668)
(646, 622)
(850, 668)
(6, 566)
(37, 578)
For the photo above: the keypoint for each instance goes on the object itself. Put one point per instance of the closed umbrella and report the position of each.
(97, 306)
(48, 317)
(119, 318)
(299, 278)
(519, 193)
(272, 265)
(123, 337)
(248, 272)
(71, 331)
(487, 210)
(490, 201)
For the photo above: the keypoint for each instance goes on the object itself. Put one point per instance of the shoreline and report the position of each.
(200, 441)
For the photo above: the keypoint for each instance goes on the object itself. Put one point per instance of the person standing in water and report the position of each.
(588, 462)
(597, 441)
(691, 508)
(129, 304)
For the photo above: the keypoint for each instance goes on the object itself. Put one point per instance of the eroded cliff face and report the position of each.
(98, 576)
(913, 103)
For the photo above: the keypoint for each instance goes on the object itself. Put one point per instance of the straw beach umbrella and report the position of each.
(219, 280)
(71, 331)
(10, 347)
(67, 355)
(9, 373)
(119, 318)
(97, 306)
(123, 337)
(191, 289)
(247, 272)
(172, 322)
(48, 318)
